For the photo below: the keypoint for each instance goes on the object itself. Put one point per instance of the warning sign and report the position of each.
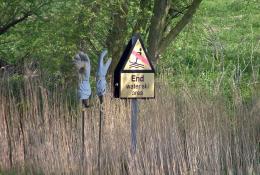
(138, 59)
(134, 85)
(134, 74)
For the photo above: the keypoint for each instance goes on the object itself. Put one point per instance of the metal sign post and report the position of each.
(134, 114)
(134, 79)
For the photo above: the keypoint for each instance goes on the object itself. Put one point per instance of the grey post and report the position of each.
(134, 115)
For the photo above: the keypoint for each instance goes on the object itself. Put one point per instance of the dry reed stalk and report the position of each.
(178, 133)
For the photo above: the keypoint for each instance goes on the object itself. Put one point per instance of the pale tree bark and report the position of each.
(158, 21)
(158, 27)
(166, 41)
(158, 41)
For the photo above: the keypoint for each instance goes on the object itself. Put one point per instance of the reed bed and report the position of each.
(179, 132)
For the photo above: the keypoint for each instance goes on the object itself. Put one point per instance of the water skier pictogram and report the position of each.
(138, 55)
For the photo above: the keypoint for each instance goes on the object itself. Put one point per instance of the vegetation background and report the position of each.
(205, 119)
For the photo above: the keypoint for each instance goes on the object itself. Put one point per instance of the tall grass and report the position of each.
(182, 132)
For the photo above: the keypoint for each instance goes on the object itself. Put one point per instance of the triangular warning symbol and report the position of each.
(138, 59)
(134, 73)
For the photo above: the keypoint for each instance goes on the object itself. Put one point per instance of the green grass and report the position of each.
(225, 35)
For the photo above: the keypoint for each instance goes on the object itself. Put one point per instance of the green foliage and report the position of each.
(47, 38)
(220, 50)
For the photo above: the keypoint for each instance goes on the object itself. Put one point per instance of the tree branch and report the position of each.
(13, 22)
(25, 13)
(173, 13)
(165, 42)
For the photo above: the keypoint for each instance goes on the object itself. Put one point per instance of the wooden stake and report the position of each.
(100, 133)
(83, 141)
(85, 103)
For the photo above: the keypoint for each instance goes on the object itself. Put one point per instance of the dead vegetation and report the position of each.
(178, 133)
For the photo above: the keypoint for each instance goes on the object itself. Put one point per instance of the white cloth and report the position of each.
(101, 74)
(82, 62)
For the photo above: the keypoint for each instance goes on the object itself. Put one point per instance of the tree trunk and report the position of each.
(166, 41)
(117, 37)
(158, 41)
(160, 11)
